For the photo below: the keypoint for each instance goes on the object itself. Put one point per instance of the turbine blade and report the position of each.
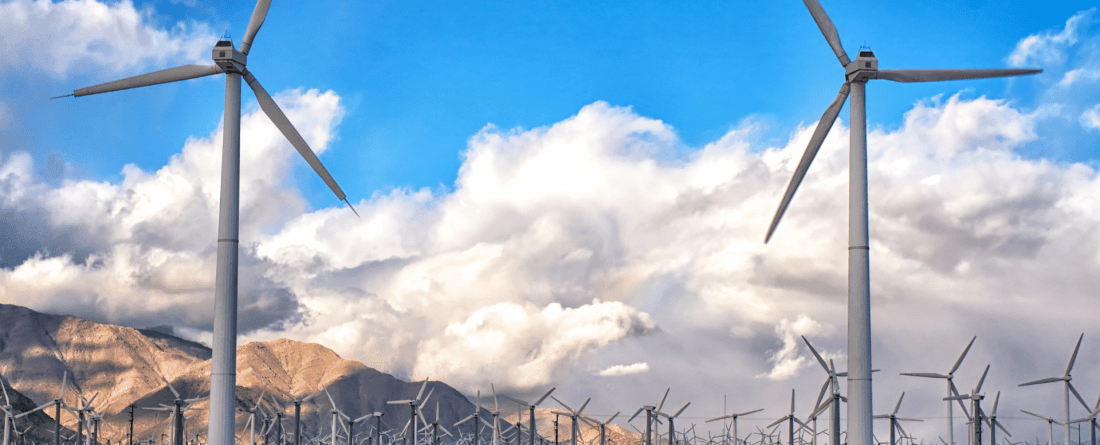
(821, 395)
(613, 416)
(978, 389)
(998, 424)
(659, 405)
(996, 400)
(818, 137)
(898, 406)
(635, 414)
(936, 75)
(280, 120)
(172, 388)
(962, 356)
(925, 374)
(1077, 394)
(154, 78)
(258, 16)
(544, 396)
(749, 412)
(581, 409)
(562, 404)
(4, 387)
(816, 355)
(464, 419)
(681, 410)
(828, 29)
(1041, 381)
(821, 408)
(1073, 358)
(422, 387)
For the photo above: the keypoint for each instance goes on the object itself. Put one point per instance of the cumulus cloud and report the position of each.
(142, 251)
(73, 36)
(618, 370)
(1049, 48)
(1090, 118)
(787, 361)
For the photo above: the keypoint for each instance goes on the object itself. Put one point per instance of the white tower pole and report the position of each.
(950, 416)
(859, 292)
(223, 377)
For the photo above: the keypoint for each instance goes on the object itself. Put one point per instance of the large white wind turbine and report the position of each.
(1068, 386)
(856, 74)
(231, 62)
(951, 389)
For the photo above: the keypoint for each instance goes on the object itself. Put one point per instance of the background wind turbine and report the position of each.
(789, 417)
(1050, 426)
(734, 417)
(573, 414)
(232, 62)
(857, 73)
(1068, 386)
(531, 406)
(894, 425)
(672, 422)
(602, 426)
(951, 390)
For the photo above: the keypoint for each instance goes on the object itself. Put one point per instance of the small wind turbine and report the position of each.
(477, 426)
(1050, 425)
(413, 404)
(734, 417)
(531, 406)
(991, 420)
(649, 410)
(1068, 386)
(573, 414)
(1091, 418)
(232, 63)
(857, 73)
(671, 422)
(602, 426)
(951, 389)
(893, 416)
(790, 417)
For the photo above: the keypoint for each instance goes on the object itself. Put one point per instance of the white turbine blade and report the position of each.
(445, 431)
(792, 402)
(154, 78)
(613, 416)
(727, 416)
(312, 396)
(420, 413)
(562, 404)
(925, 374)
(937, 75)
(1036, 415)
(749, 412)
(581, 409)
(425, 399)
(978, 389)
(496, 406)
(781, 419)
(998, 425)
(171, 388)
(544, 396)
(821, 408)
(962, 356)
(258, 16)
(422, 387)
(1041, 381)
(1073, 358)
(818, 137)
(39, 408)
(464, 419)
(828, 29)
(1077, 394)
(898, 406)
(4, 387)
(681, 410)
(816, 355)
(821, 395)
(280, 120)
(659, 405)
(65, 382)
(635, 414)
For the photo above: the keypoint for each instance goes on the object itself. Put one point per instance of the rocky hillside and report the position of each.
(115, 367)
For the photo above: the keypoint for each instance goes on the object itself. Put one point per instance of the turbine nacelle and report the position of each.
(864, 68)
(228, 58)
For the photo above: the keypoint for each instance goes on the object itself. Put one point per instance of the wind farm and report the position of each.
(591, 218)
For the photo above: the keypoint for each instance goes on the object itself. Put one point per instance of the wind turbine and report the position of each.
(649, 410)
(1091, 418)
(476, 417)
(231, 62)
(734, 417)
(1050, 425)
(1068, 386)
(602, 425)
(991, 420)
(792, 419)
(413, 404)
(531, 406)
(671, 423)
(857, 73)
(951, 389)
(893, 416)
(834, 398)
(573, 414)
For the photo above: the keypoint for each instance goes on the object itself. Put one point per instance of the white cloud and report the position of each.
(618, 370)
(1049, 48)
(1091, 118)
(81, 35)
(787, 361)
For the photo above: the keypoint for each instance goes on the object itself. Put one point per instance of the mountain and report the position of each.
(115, 367)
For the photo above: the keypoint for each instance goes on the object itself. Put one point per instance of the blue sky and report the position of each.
(573, 193)
(420, 78)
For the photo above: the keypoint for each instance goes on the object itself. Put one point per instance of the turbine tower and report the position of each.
(231, 62)
(951, 389)
(856, 74)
